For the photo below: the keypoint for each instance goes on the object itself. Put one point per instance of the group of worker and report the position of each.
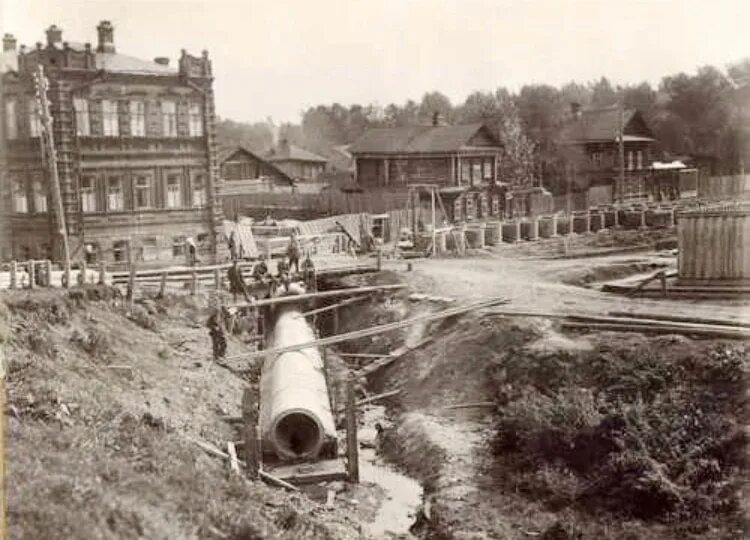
(217, 322)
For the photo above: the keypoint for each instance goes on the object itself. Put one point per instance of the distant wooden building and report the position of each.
(462, 159)
(297, 163)
(589, 142)
(247, 177)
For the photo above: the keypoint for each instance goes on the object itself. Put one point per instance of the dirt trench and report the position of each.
(516, 430)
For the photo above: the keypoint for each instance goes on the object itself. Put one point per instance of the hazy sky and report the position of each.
(277, 57)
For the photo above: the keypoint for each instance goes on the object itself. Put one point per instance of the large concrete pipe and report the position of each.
(296, 422)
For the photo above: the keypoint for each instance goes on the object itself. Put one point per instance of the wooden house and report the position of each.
(462, 160)
(296, 162)
(589, 142)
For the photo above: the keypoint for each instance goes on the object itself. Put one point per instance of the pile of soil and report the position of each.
(597, 436)
(104, 403)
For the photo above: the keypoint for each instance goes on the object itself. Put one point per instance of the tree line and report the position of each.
(701, 114)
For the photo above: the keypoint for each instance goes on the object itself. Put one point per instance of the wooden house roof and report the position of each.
(289, 152)
(224, 154)
(604, 124)
(421, 139)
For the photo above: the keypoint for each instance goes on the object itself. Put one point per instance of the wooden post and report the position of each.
(663, 279)
(163, 285)
(434, 225)
(31, 267)
(380, 259)
(131, 284)
(249, 419)
(352, 446)
(48, 274)
(13, 274)
(193, 282)
(217, 279)
(102, 273)
(82, 271)
(335, 321)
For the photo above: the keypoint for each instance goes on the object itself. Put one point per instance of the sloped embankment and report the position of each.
(103, 403)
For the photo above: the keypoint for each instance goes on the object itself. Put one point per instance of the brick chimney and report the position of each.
(9, 43)
(575, 109)
(54, 35)
(436, 120)
(161, 60)
(283, 149)
(106, 33)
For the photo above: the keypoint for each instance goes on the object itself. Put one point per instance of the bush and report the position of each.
(649, 431)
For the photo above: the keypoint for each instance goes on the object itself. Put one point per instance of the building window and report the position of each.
(83, 126)
(488, 169)
(495, 205)
(88, 194)
(470, 208)
(630, 160)
(169, 118)
(120, 251)
(40, 195)
(596, 159)
(142, 192)
(35, 123)
(476, 171)
(196, 120)
(137, 119)
(457, 209)
(178, 246)
(114, 194)
(174, 195)
(199, 191)
(20, 197)
(110, 126)
(639, 159)
(11, 122)
(465, 172)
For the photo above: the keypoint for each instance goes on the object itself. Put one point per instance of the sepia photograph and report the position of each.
(374, 269)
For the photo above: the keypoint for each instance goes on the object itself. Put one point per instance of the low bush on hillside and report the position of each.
(650, 429)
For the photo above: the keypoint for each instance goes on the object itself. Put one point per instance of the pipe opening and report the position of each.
(298, 435)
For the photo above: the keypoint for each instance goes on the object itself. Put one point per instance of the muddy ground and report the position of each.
(104, 404)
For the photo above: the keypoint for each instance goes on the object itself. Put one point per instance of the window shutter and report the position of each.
(183, 129)
(153, 119)
(95, 117)
(127, 190)
(100, 192)
(123, 117)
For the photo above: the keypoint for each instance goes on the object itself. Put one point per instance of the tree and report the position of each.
(602, 93)
(435, 102)
(518, 161)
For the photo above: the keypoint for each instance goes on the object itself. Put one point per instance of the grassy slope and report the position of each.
(101, 452)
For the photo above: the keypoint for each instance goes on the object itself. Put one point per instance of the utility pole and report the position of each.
(621, 147)
(48, 144)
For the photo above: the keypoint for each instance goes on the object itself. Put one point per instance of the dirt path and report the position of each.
(535, 285)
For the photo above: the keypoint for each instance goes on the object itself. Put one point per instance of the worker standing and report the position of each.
(292, 251)
(308, 273)
(260, 271)
(191, 250)
(236, 281)
(217, 333)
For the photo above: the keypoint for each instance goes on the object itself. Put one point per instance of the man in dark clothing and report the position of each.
(308, 273)
(292, 251)
(237, 282)
(217, 333)
(260, 271)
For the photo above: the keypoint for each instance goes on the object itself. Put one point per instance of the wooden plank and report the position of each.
(476, 404)
(326, 470)
(352, 447)
(271, 479)
(374, 330)
(678, 318)
(395, 355)
(343, 303)
(233, 463)
(318, 295)
(656, 329)
(377, 397)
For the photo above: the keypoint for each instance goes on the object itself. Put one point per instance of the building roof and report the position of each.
(289, 152)
(115, 62)
(418, 139)
(223, 154)
(604, 124)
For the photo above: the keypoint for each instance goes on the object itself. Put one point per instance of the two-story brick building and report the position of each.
(590, 144)
(135, 152)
